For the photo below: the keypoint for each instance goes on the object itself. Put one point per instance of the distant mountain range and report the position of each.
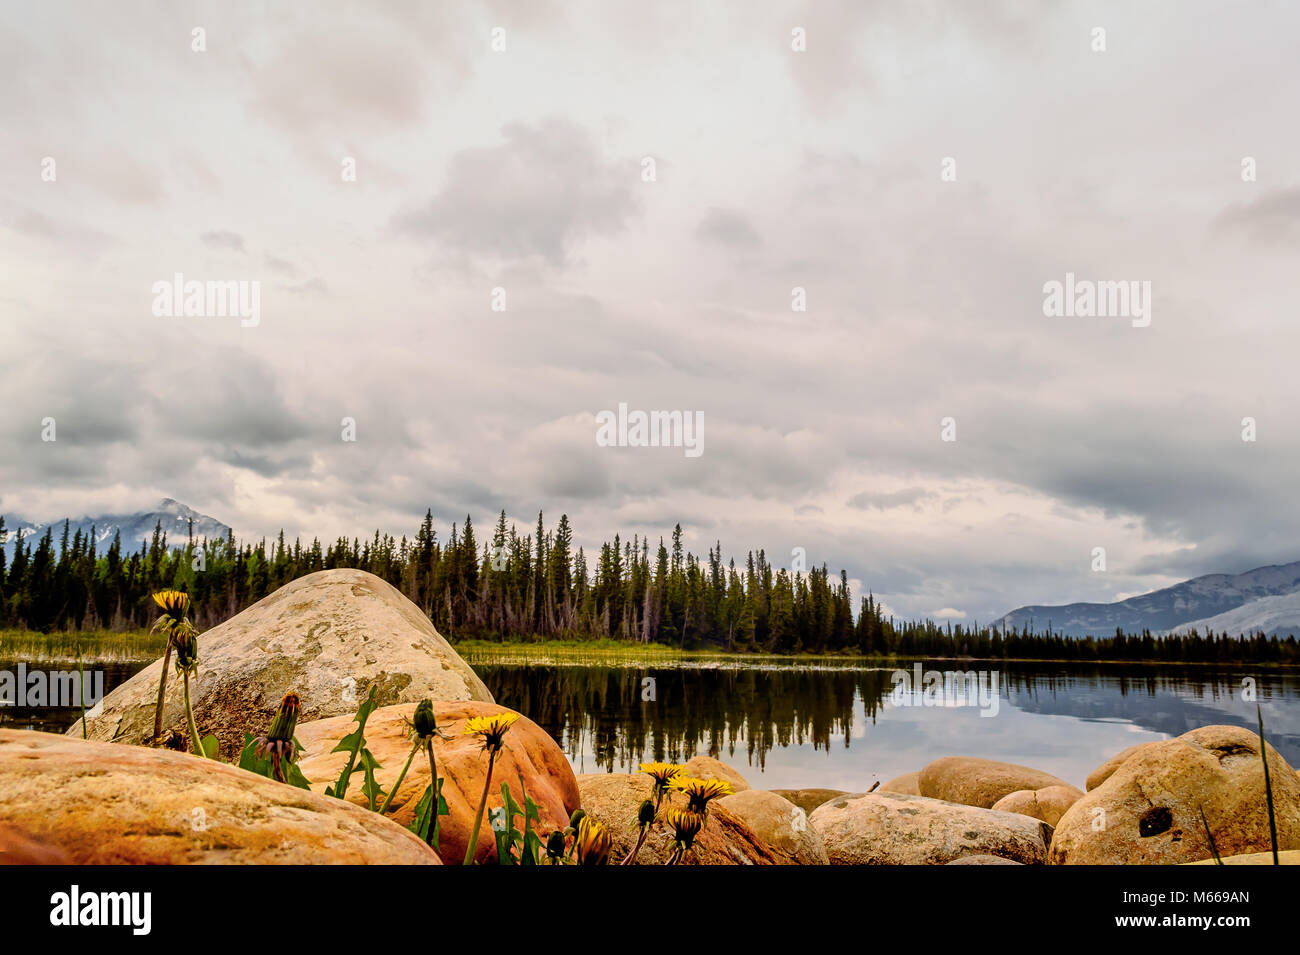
(1265, 599)
(134, 528)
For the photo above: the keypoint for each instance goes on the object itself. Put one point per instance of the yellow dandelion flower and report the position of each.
(699, 791)
(174, 603)
(686, 825)
(663, 773)
(492, 728)
(593, 842)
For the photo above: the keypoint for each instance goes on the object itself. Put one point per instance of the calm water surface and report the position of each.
(793, 725)
(790, 726)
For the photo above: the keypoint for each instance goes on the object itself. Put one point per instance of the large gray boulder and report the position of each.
(329, 637)
(901, 829)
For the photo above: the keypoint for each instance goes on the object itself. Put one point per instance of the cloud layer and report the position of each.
(522, 171)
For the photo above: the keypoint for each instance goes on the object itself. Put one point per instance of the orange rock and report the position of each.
(1154, 809)
(462, 764)
(908, 784)
(116, 804)
(971, 781)
(706, 767)
(19, 848)
(613, 799)
(1048, 804)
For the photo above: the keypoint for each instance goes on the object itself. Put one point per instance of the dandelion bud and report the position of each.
(576, 819)
(425, 722)
(286, 719)
(185, 644)
(646, 814)
(555, 844)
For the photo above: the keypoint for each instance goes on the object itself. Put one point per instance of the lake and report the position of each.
(789, 724)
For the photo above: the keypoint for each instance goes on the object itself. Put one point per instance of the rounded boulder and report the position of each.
(529, 753)
(110, 804)
(329, 637)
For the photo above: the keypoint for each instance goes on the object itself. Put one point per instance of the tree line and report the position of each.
(537, 586)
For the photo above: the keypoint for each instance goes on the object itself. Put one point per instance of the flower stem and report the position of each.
(189, 715)
(81, 693)
(640, 841)
(400, 776)
(162, 689)
(433, 777)
(478, 816)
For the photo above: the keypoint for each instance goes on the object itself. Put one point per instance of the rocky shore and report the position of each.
(333, 636)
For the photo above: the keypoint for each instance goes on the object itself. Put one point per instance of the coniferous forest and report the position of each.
(538, 586)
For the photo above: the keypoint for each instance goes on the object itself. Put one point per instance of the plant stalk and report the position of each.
(162, 689)
(433, 776)
(400, 776)
(640, 841)
(81, 692)
(1268, 784)
(478, 816)
(189, 715)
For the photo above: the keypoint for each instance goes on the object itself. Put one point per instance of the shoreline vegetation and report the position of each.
(535, 589)
(142, 646)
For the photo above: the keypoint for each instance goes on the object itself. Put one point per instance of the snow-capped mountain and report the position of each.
(136, 528)
(1234, 602)
(1275, 616)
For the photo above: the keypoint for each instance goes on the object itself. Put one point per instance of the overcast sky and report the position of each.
(775, 168)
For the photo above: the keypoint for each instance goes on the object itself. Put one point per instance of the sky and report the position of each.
(921, 171)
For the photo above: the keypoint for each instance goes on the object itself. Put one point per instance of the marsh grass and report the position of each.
(1268, 784)
(1214, 849)
(620, 653)
(93, 646)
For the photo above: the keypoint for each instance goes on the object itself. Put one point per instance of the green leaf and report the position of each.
(371, 786)
(210, 746)
(425, 823)
(531, 851)
(504, 833)
(503, 825)
(249, 761)
(352, 744)
(261, 765)
(294, 777)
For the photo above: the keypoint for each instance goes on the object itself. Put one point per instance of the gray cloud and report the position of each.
(223, 240)
(728, 228)
(907, 497)
(539, 193)
(1273, 218)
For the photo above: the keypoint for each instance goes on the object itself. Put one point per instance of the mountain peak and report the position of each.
(136, 528)
(1194, 602)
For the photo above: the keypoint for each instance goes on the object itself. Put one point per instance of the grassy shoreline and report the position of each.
(140, 646)
(94, 646)
(523, 652)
